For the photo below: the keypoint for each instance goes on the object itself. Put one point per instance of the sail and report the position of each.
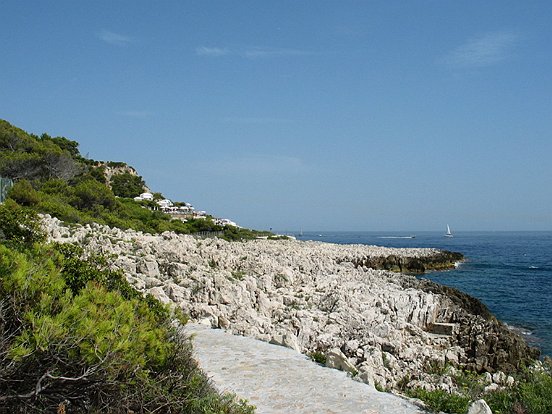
(448, 233)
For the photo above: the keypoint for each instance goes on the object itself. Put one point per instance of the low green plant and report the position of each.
(280, 237)
(530, 394)
(403, 382)
(379, 387)
(436, 368)
(238, 274)
(440, 400)
(535, 393)
(318, 357)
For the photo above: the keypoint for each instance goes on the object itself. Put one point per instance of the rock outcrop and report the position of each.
(439, 260)
(386, 328)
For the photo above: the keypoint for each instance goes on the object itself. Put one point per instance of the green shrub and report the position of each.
(24, 193)
(72, 339)
(90, 194)
(535, 394)
(238, 275)
(318, 357)
(127, 185)
(98, 174)
(501, 402)
(440, 400)
(18, 225)
(63, 211)
(231, 233)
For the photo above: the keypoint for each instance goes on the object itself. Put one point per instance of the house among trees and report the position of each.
(181, 210)
(144, 196)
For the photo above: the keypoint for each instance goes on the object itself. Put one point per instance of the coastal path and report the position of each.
(279, 380)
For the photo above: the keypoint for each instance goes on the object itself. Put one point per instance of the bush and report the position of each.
(90, 193)
(127, 185)
(63, 211)
(535, 394)
(72, 337)
(318, 357)
(439, 400)
(19, 226)
(24, 193)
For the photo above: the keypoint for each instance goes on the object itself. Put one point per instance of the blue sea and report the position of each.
(511, 272)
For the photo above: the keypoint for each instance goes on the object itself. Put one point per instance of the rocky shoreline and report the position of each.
(342, 303)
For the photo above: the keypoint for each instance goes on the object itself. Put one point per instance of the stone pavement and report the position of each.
(279, 380)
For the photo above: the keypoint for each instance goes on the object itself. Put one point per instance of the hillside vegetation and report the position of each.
(52, 177)
(76, 337)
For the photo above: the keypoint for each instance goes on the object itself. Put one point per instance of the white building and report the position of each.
(144, 196)
(166, 203)
(225, 222)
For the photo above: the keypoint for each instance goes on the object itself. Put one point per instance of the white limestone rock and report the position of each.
(479, 407)
(287, 339)
(307, 296)
(160, 295)
(337, 359)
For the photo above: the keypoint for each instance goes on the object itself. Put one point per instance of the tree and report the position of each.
(71, 147)
(17, 165)
(127, 185)
(60, 165)
(24, 193)
(90, 193)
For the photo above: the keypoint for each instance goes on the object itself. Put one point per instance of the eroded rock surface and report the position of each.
(390, 328)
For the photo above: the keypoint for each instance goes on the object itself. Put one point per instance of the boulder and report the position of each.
(160, 295)
(288, 340)
(479, 407)
(337, 359)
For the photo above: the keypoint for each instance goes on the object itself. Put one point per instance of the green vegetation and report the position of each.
(281, 237)
(439, 400)
(18, 226)
(52, 177)
(76, 337)
(238, 274)
(127, 185)
(530, 394)
(318, 357)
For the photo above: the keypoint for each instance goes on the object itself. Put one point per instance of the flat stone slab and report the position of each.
(443, 328)
(279, 380)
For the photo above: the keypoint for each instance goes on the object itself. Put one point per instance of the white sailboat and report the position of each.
(448, 233)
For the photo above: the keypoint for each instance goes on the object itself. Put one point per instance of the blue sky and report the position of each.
(343, 115)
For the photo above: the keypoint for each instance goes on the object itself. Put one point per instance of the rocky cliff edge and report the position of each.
(385, 328)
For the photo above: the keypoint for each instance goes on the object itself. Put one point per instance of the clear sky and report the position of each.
(343, 115)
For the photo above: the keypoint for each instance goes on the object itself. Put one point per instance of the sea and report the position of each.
(511, 272)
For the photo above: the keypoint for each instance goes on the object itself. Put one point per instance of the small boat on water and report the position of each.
(448, 233)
